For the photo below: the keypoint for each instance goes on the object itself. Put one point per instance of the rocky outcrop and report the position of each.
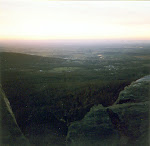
(124, 123)
(138, 91)
(134, 122)
(94, 129)
(10, 133)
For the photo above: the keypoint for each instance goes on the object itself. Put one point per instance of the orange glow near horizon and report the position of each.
(44, 20)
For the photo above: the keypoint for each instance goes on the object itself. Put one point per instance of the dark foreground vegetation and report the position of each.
(50, 93)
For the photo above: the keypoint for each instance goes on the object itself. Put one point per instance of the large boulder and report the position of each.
(10, 133)
(94, 129)
(134, 122)
(124, 123)
(132, 107)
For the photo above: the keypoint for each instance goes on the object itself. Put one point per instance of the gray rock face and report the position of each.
(138, 91)
(144, 79)
(124, 123)
(10, 133)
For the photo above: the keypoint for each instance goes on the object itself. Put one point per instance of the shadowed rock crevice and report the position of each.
(117, 123)
(127, 101)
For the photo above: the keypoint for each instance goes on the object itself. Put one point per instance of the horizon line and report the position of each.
(117, 39)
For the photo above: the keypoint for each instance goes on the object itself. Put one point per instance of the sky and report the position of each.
(45, 20)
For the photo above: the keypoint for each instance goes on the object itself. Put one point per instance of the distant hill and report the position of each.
(8, 57)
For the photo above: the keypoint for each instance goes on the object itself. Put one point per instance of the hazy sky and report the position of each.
(43, 19)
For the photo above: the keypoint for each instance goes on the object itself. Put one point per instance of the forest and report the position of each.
(60, 90)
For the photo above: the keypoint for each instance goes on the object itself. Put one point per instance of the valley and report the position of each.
(49, 92)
